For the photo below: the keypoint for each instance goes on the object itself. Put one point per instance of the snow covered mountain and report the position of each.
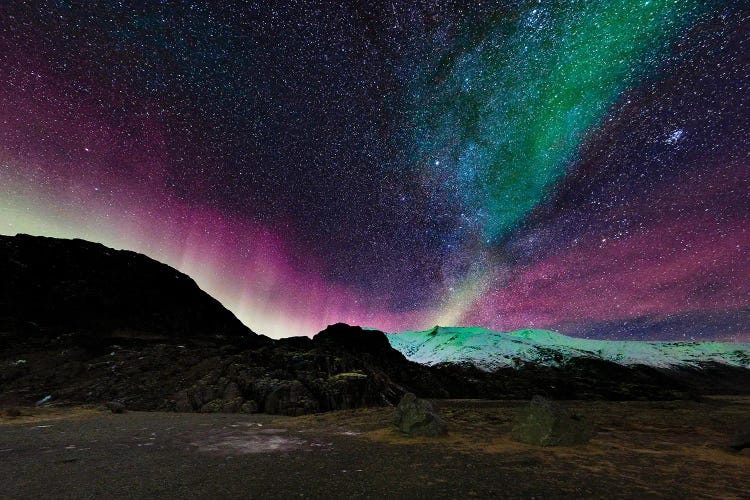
(490, 350)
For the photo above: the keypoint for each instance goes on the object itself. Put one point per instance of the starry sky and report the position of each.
(577, 165)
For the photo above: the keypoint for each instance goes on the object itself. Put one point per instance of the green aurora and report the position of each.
(502, 109)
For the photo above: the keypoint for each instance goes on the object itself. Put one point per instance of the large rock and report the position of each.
(214, 406)
(357, 339)
(249, 407)
(115, 407)
(546, 423)
(741, 439)
(417, 417)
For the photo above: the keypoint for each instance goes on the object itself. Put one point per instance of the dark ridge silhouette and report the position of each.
(82, 323)
(53, 286)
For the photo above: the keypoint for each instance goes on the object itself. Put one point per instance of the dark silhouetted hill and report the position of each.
(51, 287)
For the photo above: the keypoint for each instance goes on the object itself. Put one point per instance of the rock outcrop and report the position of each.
(417, 417)
(115, 407)
(546, 423)
(300, 375)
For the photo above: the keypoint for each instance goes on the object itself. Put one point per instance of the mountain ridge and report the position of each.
(489, 350)
(83, 323)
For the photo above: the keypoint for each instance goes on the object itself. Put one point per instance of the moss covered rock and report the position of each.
(417, 417)
(215, 406)
(546, 423)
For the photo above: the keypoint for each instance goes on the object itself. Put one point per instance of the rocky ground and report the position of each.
(674, 449)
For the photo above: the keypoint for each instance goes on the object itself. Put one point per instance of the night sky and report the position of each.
(578, 165)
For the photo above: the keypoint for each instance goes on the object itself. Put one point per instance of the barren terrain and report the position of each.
(642, 449)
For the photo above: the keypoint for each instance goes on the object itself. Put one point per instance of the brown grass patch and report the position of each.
(30, 415)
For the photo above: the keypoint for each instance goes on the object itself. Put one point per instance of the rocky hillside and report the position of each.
(82, 323)
(53, 287)
(490, 350)
(292, 376)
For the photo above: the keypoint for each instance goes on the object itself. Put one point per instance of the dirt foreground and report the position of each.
(641, 449)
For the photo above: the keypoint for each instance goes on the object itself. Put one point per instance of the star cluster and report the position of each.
(581, 166)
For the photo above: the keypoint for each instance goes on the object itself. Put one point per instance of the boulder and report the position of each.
(115, 406)
(231, 391)
(249, 407)
(202, 393)
(546, 423)
(741, 439)
(232, 405)
(417, 417)
(214, 406)
(181, 402)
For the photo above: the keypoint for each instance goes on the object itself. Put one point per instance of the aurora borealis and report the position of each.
(582, 166)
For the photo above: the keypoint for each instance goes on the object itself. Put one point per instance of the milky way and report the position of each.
(581, 166)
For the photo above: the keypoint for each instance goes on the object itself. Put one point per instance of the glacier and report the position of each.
(489, 350)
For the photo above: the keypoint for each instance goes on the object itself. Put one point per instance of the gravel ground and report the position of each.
(665, 449)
